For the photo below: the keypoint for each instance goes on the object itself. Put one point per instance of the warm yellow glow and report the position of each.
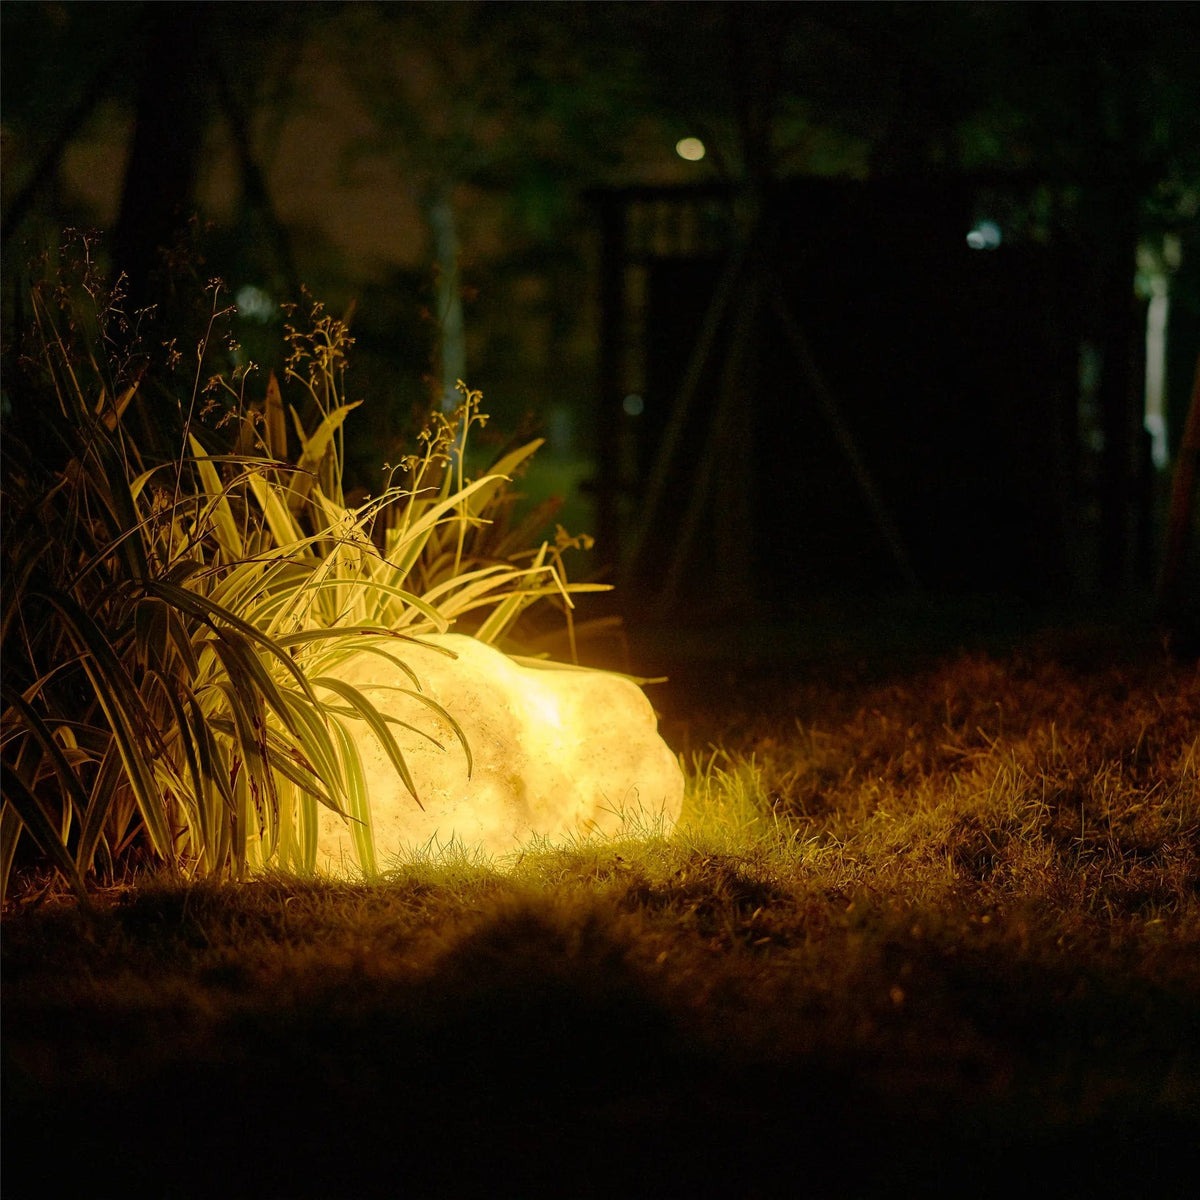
(690, 148)
(558, 752)
(543, 705)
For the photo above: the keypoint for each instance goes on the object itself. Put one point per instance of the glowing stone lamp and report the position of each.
(557, 753)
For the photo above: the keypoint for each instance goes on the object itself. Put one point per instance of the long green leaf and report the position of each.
(228, 535)
(32, 720)
(247, 672)
(316, 445)
(209, 612)
(214, 774)
(318, 747)
(252, 790)
(11, 827)
(500, 474)
(21, 800)
(124, 712)
(440, 710)
(362, 831)
(294, 767)
(282, 524)
(199, 809)
(367, 712)
(417, 534)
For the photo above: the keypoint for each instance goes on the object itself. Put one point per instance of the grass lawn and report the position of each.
(931, 927)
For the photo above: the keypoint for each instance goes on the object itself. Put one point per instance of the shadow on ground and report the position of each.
(531, 1062)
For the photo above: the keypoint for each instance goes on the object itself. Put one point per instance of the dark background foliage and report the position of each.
(443, 171)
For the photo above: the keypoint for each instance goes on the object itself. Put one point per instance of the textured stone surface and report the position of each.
(558, 752)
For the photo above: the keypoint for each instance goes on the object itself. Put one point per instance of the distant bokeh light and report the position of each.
(255, 304)
(690, 148)
(985, 236)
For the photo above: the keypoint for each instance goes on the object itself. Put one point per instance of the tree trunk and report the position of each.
(1120, 396)
(440, 214)
(160, 178)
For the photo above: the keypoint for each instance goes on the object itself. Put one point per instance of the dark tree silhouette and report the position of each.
(172, 112)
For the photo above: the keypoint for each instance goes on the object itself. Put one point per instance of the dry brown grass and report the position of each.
(927, 933)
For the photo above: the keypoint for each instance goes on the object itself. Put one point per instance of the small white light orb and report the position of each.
(633, 405)
(985, 236)
(690, 148)
(255, 304)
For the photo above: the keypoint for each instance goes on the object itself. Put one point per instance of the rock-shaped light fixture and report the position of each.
(558, 752)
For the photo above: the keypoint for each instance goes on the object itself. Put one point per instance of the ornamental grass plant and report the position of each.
(182, 571)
